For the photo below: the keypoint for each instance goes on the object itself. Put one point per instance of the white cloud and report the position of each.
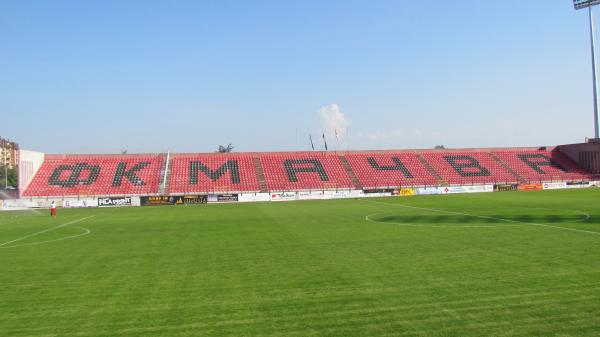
(333, 121)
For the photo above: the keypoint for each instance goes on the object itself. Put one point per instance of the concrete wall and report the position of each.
(29, 163)
(586, 154)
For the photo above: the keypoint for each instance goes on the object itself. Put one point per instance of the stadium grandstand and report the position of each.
(45, 175)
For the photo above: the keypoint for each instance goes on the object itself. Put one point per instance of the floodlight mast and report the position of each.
(581, 4)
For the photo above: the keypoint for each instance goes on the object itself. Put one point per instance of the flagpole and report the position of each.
(347, 140)
(336, 140)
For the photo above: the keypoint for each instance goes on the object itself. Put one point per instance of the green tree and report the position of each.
(12, 177)
(225, 149)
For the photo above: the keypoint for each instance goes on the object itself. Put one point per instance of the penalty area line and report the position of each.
(492, 218)
(46, 230)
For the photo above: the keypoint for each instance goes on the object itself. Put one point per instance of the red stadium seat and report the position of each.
(81, 175)
(304, 171)
(542, 165)
(390, 169)
(216, 172)
(468, 167)
(103, 175)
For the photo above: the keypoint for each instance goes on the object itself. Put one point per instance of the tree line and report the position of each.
(12, 177)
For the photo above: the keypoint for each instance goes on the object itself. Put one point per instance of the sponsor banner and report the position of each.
(505, 187)
(80, 203)
(554, 185)
(227, 197)
(251, 197)
(405, 192)
(336, 194)
(579, 184)
(174, 200)
(109, 202)
(594, 183)
(530, 187)
(157, 201)
(222, 198)
(310, 195)
(379, 194)
(427, 190)
(466, 189)
(379, 190)
(283, 196)
(480, 189)
(193, 199)
(452, 190)
(357, 194)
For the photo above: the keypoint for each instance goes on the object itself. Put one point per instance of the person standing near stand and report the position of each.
(53, 209)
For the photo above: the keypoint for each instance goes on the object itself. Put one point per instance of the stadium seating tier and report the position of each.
(95, 175)
(207, 173)
(390, 169)
(542, 165)
(468, 167)
(304, 171)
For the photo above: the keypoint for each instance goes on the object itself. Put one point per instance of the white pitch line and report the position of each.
(45, 230)
(87, 231)
(490, 217)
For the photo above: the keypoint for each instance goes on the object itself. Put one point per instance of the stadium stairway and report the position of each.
(508, 168)
(350, 173)
(165, 173)
(260, 174)
(431, 170)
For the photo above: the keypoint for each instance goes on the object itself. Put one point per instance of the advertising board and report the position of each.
(336, 194)
(405, 192)
(554, 185)
(377, 195)
(191, 200)
(112, 201)
(579, 184)
(452, 190)
(427, 190)
(310, 195)
(251, 197)
(227, 197)
(157, 201)
(466, 189)
(530, 187)
(222, 198)
(80, 203)
(505, 187)
(283, 196)
(379, 191)
(357, 194)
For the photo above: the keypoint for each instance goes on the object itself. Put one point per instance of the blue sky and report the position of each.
(186, 76)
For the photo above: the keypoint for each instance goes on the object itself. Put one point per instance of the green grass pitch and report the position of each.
(496, 264)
